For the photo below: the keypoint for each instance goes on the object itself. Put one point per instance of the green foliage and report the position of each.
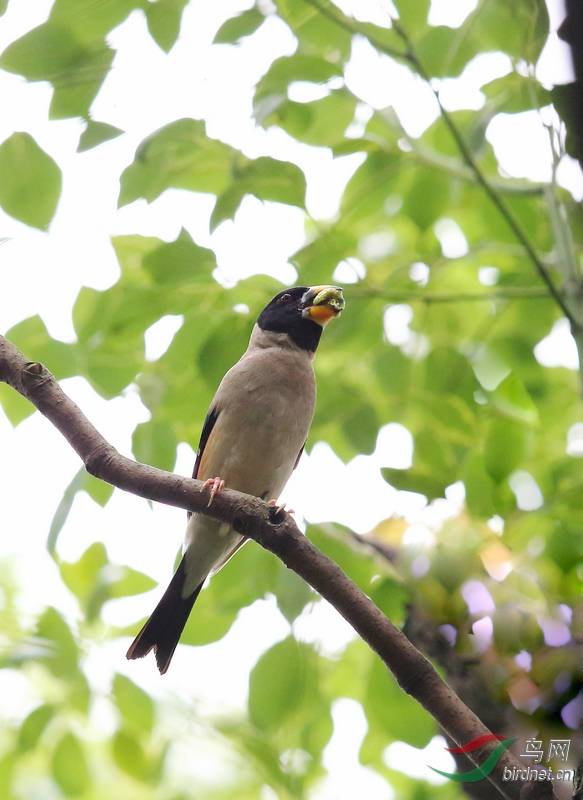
(33, 726)
(164, 18)
(69, 766)
(236, 28)
(31, 181)
(83, 481)
(463, 380)
(180, 156)
(266, 179)
(280, 682)
(95, 134)
(135, 705)
(94, 580)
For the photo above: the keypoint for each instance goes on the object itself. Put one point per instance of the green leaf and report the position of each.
(98, 490)
(130, 252)
(56, 649)
(16, 407)
(504, 448)
(95, 488)
(413, 16)
(31, 336)
(266, 179)
(69, 766)
(315, 30)
(94, 580)
(565, 546)
(135, 705)
(279, 682)
(512, 398)
(63, 510)
(244, 579)
(127, 582)
(164, 18)
(392, 599)
(113, 365)
(154, 443)
(31, 181)
(479, 487)
(129, 755)
(223, 347)
(3, 7)
(278, 181)
(95, 134)
(289, 69)
(63, 653)
(234, 29)
(515, 93)
(54, 52)
(419, 479)
(91, 20)
(449, 372)
(292, 594)
(82, 576)
(519, 29)
(392, 370)
(352, 559)
(397, 714)
(209, 623)
(179, 262)
(444, 52)
(8, 766)
(320, 123)
(453, 565)
(178, 156)
(427, 198)
(371, 184)
(315, 262)
(361, 428)
(33, 727)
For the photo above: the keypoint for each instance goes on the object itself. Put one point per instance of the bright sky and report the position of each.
(43, 272)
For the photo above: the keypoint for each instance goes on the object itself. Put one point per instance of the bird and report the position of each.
(251, 441)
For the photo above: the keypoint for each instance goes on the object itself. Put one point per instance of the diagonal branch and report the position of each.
(418, 295)
(255, 519)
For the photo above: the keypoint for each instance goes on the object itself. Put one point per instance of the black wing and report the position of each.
(207, 429)
(300, 454)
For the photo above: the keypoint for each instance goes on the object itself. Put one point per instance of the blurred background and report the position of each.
(165, 168)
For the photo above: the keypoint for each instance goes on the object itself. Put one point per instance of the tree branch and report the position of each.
(255, 519)
(409, 55)
(455, 166)
(418, 295)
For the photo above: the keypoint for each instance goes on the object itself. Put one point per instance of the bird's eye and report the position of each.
(286, 298)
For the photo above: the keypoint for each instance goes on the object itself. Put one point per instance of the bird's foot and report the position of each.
(278, 511)
(281, 508)
(216, 484)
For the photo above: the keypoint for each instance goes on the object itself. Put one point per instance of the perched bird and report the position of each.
(251, 441)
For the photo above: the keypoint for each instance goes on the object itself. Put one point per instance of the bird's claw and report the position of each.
(279, 509)
(216, 484)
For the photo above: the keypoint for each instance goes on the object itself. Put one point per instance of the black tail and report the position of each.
(162, 631)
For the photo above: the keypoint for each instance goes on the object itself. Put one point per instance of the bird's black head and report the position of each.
(302, 312)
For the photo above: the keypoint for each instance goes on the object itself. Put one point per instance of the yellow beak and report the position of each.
(323, 303)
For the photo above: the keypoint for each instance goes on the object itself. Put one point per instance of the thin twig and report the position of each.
(401, 295)
(335, 15)
(410, 56)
